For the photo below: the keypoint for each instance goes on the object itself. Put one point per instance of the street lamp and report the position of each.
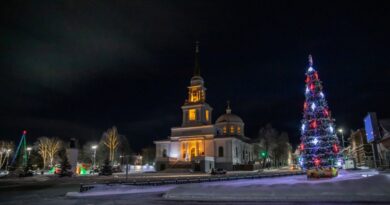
(342, 137)
(29, 152)
(94, 147)
(6, 165)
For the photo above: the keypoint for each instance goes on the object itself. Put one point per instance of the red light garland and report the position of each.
(307, 79)
(317, 162)
(335, 148)
(314, 124)
(312, 87)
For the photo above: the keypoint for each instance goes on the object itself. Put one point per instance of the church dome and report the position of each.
(197, 80)
(229, 117)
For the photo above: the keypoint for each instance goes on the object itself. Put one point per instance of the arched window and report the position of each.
(238, 130)
(220, 151)
(224, 129)
(191, 114)
(164, 153)
(232, 129)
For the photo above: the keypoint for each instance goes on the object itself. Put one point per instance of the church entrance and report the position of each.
(191, 149)
(193, 153)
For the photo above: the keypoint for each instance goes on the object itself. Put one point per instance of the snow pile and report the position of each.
(101, 190)
(349, 186)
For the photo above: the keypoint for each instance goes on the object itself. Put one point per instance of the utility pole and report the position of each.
(94, 147)
(127, 166)
(342, 137)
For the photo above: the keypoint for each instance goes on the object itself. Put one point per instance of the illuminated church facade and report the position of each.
(198, 143)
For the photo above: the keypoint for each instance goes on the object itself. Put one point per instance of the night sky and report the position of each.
(75, 69)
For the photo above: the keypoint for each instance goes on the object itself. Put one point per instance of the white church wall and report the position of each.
(226, 144)
(209, 147)
(174, 149)
(160, 147)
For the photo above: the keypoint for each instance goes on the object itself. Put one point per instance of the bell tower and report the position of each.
(196, 111)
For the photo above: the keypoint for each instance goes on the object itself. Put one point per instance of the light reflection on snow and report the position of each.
(297, 179)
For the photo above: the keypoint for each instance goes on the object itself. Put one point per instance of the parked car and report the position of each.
(218, 171)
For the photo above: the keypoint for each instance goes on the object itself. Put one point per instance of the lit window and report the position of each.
(224, 130)
(192, 114)
(231, 129)
(194, 96)
(207, 115)
(239, 130)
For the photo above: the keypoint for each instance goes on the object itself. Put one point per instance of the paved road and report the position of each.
(52, 191)
(54, 194)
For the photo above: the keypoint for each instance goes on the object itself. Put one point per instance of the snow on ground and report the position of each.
(101, 190)
(348, 186)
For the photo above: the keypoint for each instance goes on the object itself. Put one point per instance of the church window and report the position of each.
(207, 115)
(192, 114)
(220, 151)
(224, 129)
(237, 152)
(232, 129)
(239, 130)
(194, 95)
(164, 153)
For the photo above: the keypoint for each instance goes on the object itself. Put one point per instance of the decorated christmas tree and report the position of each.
(319, 143)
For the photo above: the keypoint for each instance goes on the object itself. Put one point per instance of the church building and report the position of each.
(198, 143)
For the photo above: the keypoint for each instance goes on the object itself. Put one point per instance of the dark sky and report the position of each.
(75, 69)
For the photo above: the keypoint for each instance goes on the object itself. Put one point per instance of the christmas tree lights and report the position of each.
(319, 144)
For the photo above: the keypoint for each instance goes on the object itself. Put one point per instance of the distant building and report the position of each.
(72, 153)
(378, 135)
(198, 143)
(360, 151)
(384, 143)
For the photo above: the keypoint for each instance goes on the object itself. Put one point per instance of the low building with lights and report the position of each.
(199, 144)
(360, 151)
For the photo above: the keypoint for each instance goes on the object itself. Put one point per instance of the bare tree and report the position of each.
(111, 141)
(267, 139)
(43, 143)
(48, 148)
(53, 148)
(6, 148)
(86, 154)
(275, 144)
(281, 149)
(148, 155)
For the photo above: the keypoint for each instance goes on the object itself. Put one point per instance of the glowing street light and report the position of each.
(29, 151)
(94, 148)
(342, 137)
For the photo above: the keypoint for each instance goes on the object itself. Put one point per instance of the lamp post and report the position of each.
(94, 147)
(6, 165)
(342, 137)
(29, 151)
